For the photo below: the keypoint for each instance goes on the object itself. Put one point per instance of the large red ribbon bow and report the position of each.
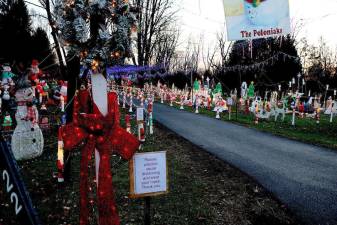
(104, 134)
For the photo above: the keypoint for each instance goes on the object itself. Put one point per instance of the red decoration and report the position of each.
(104, 134)
(150, 107)
(35, 73)
(127, 119)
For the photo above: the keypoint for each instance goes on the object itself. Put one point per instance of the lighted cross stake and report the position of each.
(103, 135)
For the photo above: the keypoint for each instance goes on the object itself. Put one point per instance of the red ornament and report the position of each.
(104, 134)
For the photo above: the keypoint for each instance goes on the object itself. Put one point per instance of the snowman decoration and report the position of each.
(244, 90)
(27, 139)
(265, 12)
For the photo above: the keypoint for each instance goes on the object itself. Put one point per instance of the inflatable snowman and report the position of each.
(27, 139)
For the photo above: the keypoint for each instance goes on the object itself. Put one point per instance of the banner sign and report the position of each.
(148, 174)
(252, 19)
(14, 189)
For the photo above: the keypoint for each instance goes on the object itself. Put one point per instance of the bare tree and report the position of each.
(155, 18)
(46, 4)
(165, 48)
(191, 56)
(217, 58)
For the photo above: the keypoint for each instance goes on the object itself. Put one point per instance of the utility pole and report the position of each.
(191, 86)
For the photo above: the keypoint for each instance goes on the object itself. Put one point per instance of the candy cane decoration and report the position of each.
(62, 103)
(131, 103)
(256, 114)
(124, 100)
(150, 109)
(128, 124)
(141, 131)
(60, 158)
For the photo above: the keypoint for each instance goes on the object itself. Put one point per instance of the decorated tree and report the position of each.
(98, 31)
(95, 33)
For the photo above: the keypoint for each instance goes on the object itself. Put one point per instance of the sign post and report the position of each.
(15, 189)
(148, 177)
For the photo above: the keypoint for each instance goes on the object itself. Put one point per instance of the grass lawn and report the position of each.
(203, 190)
(305, 130)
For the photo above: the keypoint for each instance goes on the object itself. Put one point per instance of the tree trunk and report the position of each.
(73, 82)
(56, 42)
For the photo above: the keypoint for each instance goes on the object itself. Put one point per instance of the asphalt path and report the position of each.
(302, 176)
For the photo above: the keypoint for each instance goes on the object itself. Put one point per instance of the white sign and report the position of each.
(149, 174)
(140, 114)
(229, 101)
(250, 19)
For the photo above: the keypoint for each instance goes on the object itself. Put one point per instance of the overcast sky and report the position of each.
(206, 17)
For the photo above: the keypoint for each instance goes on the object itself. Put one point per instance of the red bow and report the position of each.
(104, 134)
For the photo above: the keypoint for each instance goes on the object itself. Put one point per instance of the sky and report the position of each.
(199, 17)
(206, 18)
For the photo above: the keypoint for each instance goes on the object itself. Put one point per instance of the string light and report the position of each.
(134, 28)
(94, 64)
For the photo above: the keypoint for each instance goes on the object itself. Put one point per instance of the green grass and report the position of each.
(59, 204)
(202, 189)
(305, 130)
(183, 204)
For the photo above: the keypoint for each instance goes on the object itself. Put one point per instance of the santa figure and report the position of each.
(220, 105)
(39, 90)
(35, 72)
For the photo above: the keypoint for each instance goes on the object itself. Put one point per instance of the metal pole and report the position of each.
(147, 211)
(192, 88)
